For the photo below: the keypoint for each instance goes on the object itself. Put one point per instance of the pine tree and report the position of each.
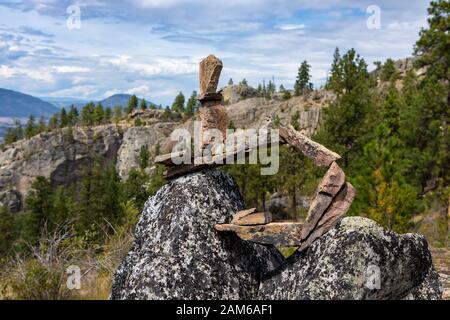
(53, 122)
(108, 115)
(192, 104)
(87, 114)
(335, 80)
(117, 114)
(73, 115)
(144, 157)
(302, 83)
(433, 51)
(230, 82)
(99, 114)
(132, 104)
(38, 204)
(244, 82)
(63, 118)
(346, 122)
(41, 125)
(389, 71)
(178, 104)
(30, 127)
(143, 105)
(7, 232)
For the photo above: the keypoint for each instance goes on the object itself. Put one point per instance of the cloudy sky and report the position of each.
(152, 47)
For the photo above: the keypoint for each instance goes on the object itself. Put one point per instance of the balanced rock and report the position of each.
(357, 259)
(177, 253)
(210, 69)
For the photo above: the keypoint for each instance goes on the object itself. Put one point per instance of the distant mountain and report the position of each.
(65, 102)
(120, 99)
(19, 105)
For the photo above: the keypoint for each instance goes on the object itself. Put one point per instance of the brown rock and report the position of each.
(333, 215)
(255, 219)
(281, 234)
(331, 183)
(210, 69)
(333, 180)
(242, 214)
(313, 150)
(166, 159)
(213, 117)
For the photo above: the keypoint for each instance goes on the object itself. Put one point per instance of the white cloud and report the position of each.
(290, 27)
(142, 90)
(6, 71)
(85, 92)
(152, 66)
(70, 69)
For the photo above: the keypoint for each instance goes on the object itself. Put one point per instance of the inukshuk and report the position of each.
(333, 196)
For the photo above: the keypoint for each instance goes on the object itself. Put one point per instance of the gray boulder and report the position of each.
(357, 259)
(177, 254)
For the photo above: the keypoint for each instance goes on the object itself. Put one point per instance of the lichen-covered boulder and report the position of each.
(177, 253)
(357, 259)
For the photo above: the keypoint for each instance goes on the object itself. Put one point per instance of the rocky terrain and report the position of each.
(60, 155)
(177, 254)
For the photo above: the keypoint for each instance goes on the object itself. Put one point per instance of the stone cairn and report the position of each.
(333, 196)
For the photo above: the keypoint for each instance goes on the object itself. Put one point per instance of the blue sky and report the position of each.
(152, 47)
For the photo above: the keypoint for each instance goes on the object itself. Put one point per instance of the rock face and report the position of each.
(133, 140)
(235, 93)
(357, 259)
(177, 254)
(58, 156)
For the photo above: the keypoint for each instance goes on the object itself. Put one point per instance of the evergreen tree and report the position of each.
(389, 71)
(87, 114)
(192, 104)
(230, 82)
(270, 89)
(30, 127)
(132, 104)
(7, 232)
(53, 122)
(144, 157)
(98, 114)
(73, 115)
(335, 80)
(433, 46)
(302, 83)
(178, 104)
(346, 122)
(38, 206)
(143, 105)
(433, 114)
(134, 188)
(244, 82)
(63, 118)
(108, 115)
(117, 114)
(41, 125)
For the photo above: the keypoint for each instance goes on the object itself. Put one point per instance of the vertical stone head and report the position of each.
(210, 69)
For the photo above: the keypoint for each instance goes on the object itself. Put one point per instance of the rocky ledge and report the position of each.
(177, 254)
